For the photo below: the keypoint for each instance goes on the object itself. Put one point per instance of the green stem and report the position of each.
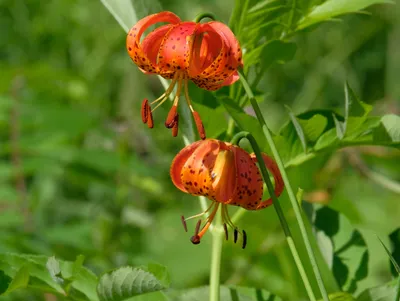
(397, 298)
(216, 252)
(201, 16)
(278, 210)
(292, 197)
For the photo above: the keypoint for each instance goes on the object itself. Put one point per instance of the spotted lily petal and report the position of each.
(133, 39)
(174, 49)
(196, 174)
(249, 185)
(274, 170)
(178, 163)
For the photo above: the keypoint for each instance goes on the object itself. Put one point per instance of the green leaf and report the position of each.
(122, 11)
(340, 296)
(209, 115)
(127, 282)
(234, 293)
(388, 131)
(299, 130)
(53, 266)
(244, 121)
(46, 274)
(395, 241)
(5, 281)
(268, 53)
(395, 264)
(160, 272)
(328, 139)
(350, 256)
(20, 280)
(332, 8)
(340, 127)
(355, 111)
(385, 292)
(313, 127)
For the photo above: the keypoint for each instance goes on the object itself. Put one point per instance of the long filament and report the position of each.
(202, 213)
(187, 95)
(178, 92)
(209, 221)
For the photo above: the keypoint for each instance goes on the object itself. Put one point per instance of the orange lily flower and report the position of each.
(206, 53)
(225, 174)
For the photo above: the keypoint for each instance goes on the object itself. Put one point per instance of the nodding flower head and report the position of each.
(206, 53)
(227, 175)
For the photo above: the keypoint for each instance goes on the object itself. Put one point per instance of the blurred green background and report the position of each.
(81, 174)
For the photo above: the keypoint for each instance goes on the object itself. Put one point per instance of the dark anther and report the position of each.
(145, 110)
(197, 229)
(226, 231)
(171, 118)
(175, 127)
(199, 125)
(244, 240)
(195, 239)
(150, 122)
(235, 235)
(184, 223)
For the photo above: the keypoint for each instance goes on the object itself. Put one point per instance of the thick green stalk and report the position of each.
(278, 209)
(292, 197)
(216, 252)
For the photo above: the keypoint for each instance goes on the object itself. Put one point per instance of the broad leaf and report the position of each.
(388, 131)
(127, 282)
(49, 275)
(349, 255)
(386, 292)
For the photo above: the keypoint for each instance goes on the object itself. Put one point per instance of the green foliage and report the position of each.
(332, 8)
(127, 282)
(386, 292)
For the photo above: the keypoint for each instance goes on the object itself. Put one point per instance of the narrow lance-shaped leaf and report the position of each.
(333, 8)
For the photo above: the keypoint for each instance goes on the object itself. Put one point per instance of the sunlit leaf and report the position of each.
(42, 271)
(122, 11)
(20, 280)
(386, 292)
(128, 282)
(341, 296)
(388, 130)
(53, 266)
(350, 255)
(332, 8)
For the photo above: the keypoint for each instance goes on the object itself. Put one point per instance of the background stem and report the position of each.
(278, 210)
(292, 197)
